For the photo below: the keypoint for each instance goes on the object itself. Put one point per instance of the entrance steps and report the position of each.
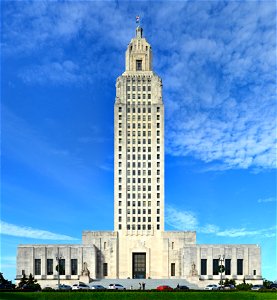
(149, 283)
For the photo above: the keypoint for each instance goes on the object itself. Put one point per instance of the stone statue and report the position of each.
(193, 271)
(85, 271)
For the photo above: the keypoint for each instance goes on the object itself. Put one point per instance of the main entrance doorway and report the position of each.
(139, 265)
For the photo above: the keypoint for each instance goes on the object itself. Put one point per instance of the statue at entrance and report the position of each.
(85, 271)
(193, 271)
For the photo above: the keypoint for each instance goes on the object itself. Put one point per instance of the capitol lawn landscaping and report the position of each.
(128, 295)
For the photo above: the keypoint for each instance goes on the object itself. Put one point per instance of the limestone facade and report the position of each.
(139, 247)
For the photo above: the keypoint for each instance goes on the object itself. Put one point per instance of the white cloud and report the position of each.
(217, 62)
(187, 220)
(266, 200)
(28, 232)
(65, 72)
(183, 220)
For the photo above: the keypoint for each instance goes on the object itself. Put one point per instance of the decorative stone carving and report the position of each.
(193, 271)
(85, 271)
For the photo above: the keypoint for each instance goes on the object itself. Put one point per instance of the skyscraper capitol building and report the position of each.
(139, 247)
(139, 144)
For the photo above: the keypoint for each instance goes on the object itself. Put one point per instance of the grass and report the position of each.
(128, 295)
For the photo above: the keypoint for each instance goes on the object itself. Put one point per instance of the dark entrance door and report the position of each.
(139, 265)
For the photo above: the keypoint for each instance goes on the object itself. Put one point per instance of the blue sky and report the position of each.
(59, 63)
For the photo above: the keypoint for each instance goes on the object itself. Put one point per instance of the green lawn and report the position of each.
(137, 295)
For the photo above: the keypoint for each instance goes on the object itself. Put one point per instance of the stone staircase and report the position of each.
(149, 283)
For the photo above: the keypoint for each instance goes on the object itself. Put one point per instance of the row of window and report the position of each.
(139, 79)
(50, 267)
(141, 227)
(134, 173)
(139, 180)
(139, 133)
(133, 196)
(138, 109)
(144, 156)
(138, 149)
(138, 195)
(138, 96)
(227, 266)
(138, 219)
(158, 117)
(139, 88)
(139, 173)
(139, 165)
(139, 203)
(139, 188)
(139, 125)
(134, 211)
(136, 141)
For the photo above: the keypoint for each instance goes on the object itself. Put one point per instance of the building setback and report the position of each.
(139, 247)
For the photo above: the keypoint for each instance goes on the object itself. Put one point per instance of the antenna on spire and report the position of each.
(138, 20)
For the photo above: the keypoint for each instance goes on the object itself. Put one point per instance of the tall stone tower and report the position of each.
(139, 144)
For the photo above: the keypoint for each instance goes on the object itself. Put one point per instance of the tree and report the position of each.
(229, 281)
(23, 281)
(266, 283)
(29, 284)
(2, 279)
(6, 284)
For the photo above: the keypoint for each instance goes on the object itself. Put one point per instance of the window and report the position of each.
(74, 266)
(215, 266)
(119, 109)
(139, 65)
(158, 227)
(49, 266)
(254, 272)
(105, 269)
(227, 266)
(240, 267)
(203, 266)
(37, 267)
(172, 269)
(158, 109)
(62, 267)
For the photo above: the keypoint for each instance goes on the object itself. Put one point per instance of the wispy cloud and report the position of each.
(218, 66)
(65, 72)
(266, 200)
(183, 220)
(28, 232)
(219, 83)
(187, 220)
